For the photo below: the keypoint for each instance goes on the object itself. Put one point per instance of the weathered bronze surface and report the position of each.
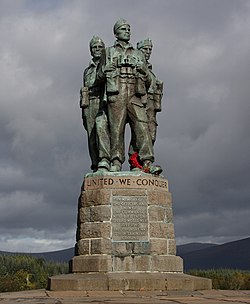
(94, 110)
(154, 95)
(120, 88)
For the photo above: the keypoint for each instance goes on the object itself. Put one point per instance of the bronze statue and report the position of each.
(155, 90)
(126, 76)
(119, 87)
(94, 111)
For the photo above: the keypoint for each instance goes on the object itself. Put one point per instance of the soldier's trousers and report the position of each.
(96, 124)
(152, 125)
(124, 108)
(151, 114)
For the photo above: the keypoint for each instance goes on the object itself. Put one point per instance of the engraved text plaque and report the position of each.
(129, 218)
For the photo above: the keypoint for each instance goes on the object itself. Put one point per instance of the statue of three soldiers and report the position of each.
(119, 87)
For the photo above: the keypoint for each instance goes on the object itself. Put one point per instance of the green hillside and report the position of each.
(23, 272)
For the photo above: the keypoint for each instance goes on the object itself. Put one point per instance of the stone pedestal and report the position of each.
(125, 223)
(125, 237)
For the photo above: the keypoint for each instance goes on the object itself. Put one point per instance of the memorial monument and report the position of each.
(125, 233)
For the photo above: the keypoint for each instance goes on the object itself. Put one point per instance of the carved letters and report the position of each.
(129, 218)
(122, 182)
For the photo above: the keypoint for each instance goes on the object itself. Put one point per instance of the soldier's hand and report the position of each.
(141, 69)
(110, 67)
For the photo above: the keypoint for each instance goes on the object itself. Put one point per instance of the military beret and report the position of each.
(119, 23)
(143, 43)
(94, 40)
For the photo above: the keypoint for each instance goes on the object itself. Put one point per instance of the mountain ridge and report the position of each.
(233, 255)
(63, 255)
(189, 247)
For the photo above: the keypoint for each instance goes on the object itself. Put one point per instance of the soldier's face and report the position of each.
(96, 50)
(147, 50)
(123, 33)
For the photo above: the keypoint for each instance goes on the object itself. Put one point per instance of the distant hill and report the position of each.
(54, 256)
(234, 255)
(183, 249)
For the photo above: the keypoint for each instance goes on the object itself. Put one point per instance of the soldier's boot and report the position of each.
(104, 165)
(149, 168)
(116, 166)
(135, 169)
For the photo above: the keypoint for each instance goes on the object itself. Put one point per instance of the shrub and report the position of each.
(14, 282)
(225, 278)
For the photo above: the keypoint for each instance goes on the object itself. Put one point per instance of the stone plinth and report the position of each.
(125, 237)
(128, 281)
(125, 223)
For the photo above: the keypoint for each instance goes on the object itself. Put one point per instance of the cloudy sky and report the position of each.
(201, 52)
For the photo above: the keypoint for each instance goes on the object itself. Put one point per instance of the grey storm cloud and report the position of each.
(201, 52)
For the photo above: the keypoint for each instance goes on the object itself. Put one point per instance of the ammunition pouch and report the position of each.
(140, 87)
(111, 82)
(84, 97)
(158, 95)
(157, 102)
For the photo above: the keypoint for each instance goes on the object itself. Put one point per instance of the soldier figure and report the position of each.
(94, 111)
(154, 92)
(154, 96)
(126, 75)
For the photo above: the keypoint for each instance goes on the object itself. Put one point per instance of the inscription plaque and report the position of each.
(129, 218)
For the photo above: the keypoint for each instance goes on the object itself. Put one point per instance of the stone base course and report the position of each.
(108, 263)
(128, 297)
(91, 263)
(127, 281)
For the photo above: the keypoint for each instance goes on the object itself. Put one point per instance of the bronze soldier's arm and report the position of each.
(143, 69)
(158, 95)
(100, 74)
